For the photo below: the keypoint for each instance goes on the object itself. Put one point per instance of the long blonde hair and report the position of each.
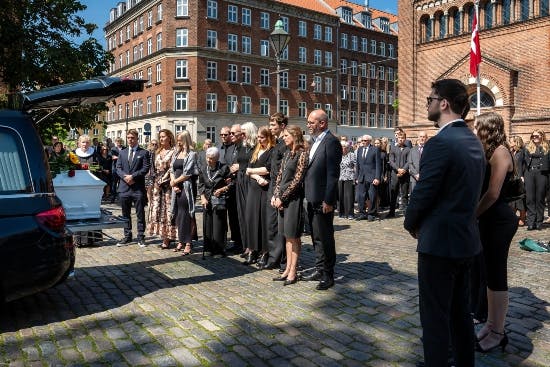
(265, 132)
(531, 147)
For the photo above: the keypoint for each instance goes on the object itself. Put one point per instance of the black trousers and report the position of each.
(535, 194)
(139, 199)
(444, 310)
(214, 230)
(233, 215)
(399, 186)
(346, 198)
(322, 236)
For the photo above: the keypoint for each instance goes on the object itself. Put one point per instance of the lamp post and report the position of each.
(127, 113)
(279, 39)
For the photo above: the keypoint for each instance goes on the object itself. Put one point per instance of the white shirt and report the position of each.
(318, 141)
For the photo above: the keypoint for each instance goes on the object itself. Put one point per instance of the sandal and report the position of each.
(187, 250)
(178, 247)
(165, 246)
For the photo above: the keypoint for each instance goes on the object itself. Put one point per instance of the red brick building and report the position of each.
(434, 42)
(210, 63)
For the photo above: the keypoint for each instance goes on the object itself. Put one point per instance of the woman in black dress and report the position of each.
(536, 179)
(256, 199)
(288, 198)
(518, 152)
(497, 226)
(249, 133)
(183, 203)
(212, 190)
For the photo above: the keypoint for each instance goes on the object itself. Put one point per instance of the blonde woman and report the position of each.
(159, 217)
(536, 179)
(183, 203)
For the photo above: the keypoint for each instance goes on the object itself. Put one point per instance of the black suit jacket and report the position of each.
(321, 182)
(138, 169)
(370, 167)
(442, 208)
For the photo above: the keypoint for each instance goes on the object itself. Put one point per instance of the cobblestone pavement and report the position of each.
(130, 306)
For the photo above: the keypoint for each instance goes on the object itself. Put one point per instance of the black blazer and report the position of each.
(138, 169)
(442, 208)
(370, 167)
(321, 182)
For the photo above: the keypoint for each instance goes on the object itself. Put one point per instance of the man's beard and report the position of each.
(434, 116)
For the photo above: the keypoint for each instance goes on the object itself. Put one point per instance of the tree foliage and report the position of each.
(38, 49)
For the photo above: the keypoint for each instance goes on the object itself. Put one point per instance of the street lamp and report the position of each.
(279, 39)
(127, 113)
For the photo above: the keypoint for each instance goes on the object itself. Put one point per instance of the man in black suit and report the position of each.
(321, 189)
(414, 158)
(442, 216)
(399, 179)
(132, 165)
(367, 177)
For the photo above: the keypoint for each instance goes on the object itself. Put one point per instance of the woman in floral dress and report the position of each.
(159, 222)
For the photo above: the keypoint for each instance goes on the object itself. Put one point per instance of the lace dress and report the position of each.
(159, 222)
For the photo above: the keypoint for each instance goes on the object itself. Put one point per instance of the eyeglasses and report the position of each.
(224, 134)
(235, 133)
(429, 100)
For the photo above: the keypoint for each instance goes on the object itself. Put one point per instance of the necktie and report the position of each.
(131, 156)
(365, 152)
(420, 149)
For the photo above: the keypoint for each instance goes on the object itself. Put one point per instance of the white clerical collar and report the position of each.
(83, 154)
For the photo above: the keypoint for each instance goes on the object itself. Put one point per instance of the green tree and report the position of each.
(38, 49)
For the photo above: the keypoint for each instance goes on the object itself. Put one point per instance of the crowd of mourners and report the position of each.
(254, 186)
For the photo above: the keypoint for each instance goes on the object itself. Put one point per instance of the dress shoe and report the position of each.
(325, 284)
(262, 260)
(141, 243)
(124, 242)
(315, 276)
(290, 281)
(370, 218)
(251, 258)
(502, 344)
(361, 217)
(530, 228)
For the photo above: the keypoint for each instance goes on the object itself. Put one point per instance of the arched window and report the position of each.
(524, 9)
(427, 26)
(456, 22)
(470, 18)
(486, 100)
(488, 10)
(544, 8)
(506, 4)
(442, 20)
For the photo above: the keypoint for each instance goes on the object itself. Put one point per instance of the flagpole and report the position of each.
(478, 94)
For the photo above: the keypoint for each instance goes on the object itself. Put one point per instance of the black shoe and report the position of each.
(290, 281)
(315, 276)
(141, 243)
(530, 228)
(251, 258)
(279, 279)
(243, 255)
(325, 284)
(370, 218)
(390, 215)
(361, 217)
(124, 242)
(262, 260)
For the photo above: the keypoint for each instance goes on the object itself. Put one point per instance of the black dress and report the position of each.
(244, 153)
(185, 207)
(214, 224)
(256, 206)
(290, 190)
(497, 227)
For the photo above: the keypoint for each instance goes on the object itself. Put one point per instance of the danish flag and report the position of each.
(475, 51)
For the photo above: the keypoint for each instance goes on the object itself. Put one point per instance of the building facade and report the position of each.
(434, 43)
(210, 63)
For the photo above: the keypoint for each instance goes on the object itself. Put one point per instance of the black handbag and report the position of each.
(218, 202)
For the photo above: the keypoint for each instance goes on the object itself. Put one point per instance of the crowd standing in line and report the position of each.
(267, 184)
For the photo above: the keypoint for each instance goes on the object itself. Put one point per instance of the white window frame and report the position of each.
(182, 37)
(181, 101)
(181, 69)
(211, 102)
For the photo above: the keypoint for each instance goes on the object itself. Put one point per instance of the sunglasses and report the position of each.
(224, 134)
(535, 136)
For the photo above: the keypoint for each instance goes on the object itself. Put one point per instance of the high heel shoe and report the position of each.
(251, 258)
(244, 254)
(262, 260)
(187, 250)
(178, 248)
(502, 344)
(279, 279)
(290, 281)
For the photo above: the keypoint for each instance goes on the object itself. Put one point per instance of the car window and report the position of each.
(14, 177)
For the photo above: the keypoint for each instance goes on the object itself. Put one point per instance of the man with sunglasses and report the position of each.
(442, 216)
(228, 152)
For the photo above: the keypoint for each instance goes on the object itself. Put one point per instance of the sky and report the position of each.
(98, 12)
